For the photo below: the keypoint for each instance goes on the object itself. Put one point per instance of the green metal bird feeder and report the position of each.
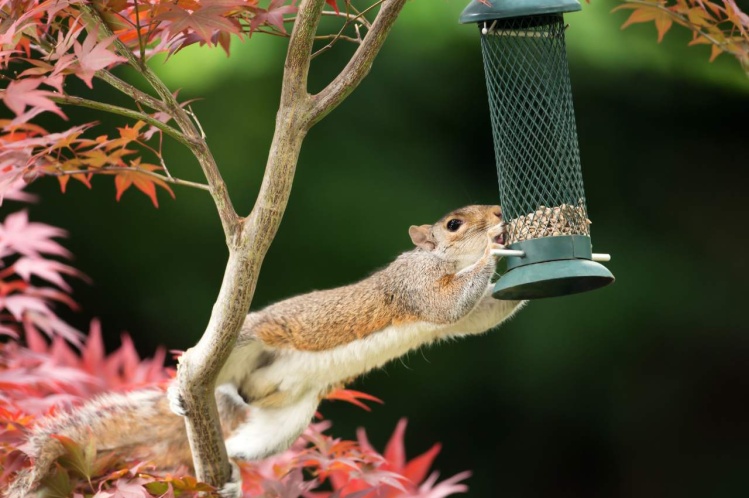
(549, 252)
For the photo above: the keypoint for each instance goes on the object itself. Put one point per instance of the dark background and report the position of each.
(637, 390)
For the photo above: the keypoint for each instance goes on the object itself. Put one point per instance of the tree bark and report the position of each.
(298, 111)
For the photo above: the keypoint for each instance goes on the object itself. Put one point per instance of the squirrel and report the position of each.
(289, 355)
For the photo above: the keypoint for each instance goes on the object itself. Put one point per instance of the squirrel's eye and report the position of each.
(453, 225)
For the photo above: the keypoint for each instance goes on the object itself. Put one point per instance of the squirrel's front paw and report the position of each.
(176, 403)
(497, 236)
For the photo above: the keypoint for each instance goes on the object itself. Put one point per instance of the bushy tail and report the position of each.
(139, 421)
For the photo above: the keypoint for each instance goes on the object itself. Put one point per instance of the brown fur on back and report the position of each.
(420, 285)
(325, 319)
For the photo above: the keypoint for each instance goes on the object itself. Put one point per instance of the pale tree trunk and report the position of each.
(249, 238)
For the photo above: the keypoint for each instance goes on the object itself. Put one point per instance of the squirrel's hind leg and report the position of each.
(272, 429)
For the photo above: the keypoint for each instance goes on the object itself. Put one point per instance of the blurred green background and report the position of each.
(637, 390)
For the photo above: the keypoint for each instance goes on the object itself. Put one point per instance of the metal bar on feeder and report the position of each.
(596, 256)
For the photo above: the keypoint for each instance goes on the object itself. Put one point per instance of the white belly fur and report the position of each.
(303, 375)
(297, 372)
(310, 369)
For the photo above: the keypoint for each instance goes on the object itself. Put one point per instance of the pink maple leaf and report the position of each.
(31, 239)
(126, 488)
(47, 269)
(7, 37)
(51, 325)
(24, 93)
(445, 488)
(414, 471)
(18, 304)
(8, 331)
(14, 190)
(93, 56)
(10, 175)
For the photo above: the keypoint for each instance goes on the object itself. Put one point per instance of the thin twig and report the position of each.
(119, 169)
(141, 44)
(349, 17)
(361, 62)
(349, 20)
(337, 37)
(196, 121)
(270, 32)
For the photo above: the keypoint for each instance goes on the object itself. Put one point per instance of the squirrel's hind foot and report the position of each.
(23, 485)
(233, 488)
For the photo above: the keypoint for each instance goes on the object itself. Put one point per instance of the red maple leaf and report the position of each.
(333, 4)
(353, 397)
(142, 181)
(273, 16)
(203, 19)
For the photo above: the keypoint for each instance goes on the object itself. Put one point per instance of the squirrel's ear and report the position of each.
(422, 237)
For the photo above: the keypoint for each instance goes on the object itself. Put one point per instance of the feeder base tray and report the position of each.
(552, 279)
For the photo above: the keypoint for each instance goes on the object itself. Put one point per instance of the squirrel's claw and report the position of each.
(497, 236)
(176, 403)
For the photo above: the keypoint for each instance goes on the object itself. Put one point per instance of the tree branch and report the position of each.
(198, 145)
(122, 111)
(360, 64)
(131, 91)
(200, 365)
(298, 57)
(117, 169)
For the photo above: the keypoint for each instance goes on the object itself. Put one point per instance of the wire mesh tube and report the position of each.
(535, 142)
(533, 123)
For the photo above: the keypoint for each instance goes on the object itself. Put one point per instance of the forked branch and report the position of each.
(298, 111)
(360, 64)
(200, 366)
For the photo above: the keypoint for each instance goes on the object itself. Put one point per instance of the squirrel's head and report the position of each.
(460, 236)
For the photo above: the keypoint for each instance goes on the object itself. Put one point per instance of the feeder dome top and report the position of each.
(476, 11)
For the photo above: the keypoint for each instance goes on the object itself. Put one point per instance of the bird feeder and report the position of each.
(549, 250)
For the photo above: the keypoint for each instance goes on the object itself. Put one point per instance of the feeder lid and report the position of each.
(476, 11)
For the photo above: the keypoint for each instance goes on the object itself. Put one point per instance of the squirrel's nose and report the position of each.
(497, 211)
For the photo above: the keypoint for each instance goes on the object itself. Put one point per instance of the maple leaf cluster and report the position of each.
(31, 283)
(45, 42)
(722, 25)
(46, 365)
